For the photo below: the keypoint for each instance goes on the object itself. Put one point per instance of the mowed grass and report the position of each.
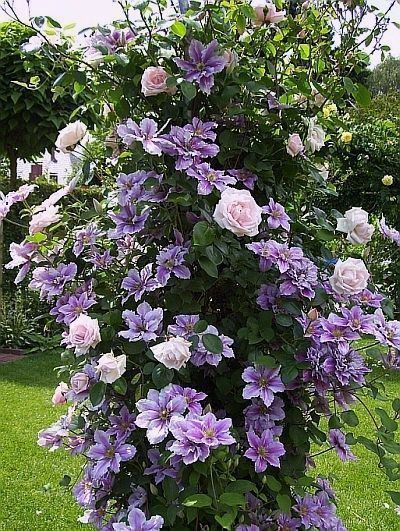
(30, 497)
(360, 485)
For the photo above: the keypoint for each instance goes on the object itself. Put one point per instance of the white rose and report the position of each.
(70, 136)
(315, 136)
(110, 367)
(238, 212)
(83, 334)
(154, 81)
(173, 353)
(355, 223)
(350, 277)
(294, 145)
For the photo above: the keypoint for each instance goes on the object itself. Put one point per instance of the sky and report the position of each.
(92, 12)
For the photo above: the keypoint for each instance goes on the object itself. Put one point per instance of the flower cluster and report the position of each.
(208, 329)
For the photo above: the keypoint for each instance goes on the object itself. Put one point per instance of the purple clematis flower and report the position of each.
(143, 325)
(263, 249)
(334, 329)
(337, 439)
(203, 64)
(146, 133)
(388, 232)
(69, 307)
(203, 130)
(357, 320)
(366, 297)
(137, 283)
(108, 454)
(285, 522)
(159, 469)
(50, 282)
(267, 296)
(101, 260)
(262, 382)
(277, 216)
(187, 147)
(191, 396)
(137, 522)
(156, 413)
(386, 332)
(264, 450)
(22, 254)
(300, 280)
(86, 238)
(209, 178)
(244, 176)
(122, 425)
(128, 221)
(286, 258)
(170, 262)
(184, 325)
(210, 431)
(131, 187)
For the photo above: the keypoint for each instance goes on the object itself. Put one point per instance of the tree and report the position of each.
(385, 77)
(30, 115)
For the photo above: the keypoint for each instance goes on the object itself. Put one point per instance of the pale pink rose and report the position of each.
(21, 194)
(355, 223)
(266, 13)
(70, 136)
(110, 367)
(56, 196)
(79, 382)
(238, 212)
(350, 277)
(173, 353)
(44, 219)
(294, 145)
(231, 59)
(154, 81)
(83, 334)
(59, 394)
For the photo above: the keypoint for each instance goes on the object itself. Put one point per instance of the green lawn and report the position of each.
(360, 486)
(32, 500)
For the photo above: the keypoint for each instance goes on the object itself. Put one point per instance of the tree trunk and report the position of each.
(12, 155)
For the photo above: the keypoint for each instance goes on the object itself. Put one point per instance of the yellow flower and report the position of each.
(328, 109)
(387, 180)
(346, 137)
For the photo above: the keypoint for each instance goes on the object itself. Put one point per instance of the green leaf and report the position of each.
(212, 343)
(362, 95)
(304, 51)
(284, 503)
(350, 418)
(198, 500)
(120, 386)
(395, 496)
(273, 483)
(65, 481)
(226, 520)
(387, 422)
(284, 320)
(233, 499)
(179, 29)
(200, 326)
(325, 235)
(161, 376)
(97, 393)
(209, 267)
(241, 485)
(203, 234)
(188, 90)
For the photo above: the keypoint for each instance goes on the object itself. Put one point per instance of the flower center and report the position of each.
(336, 332)
(211, 177)
(209, 433)
(262, 452)
(164, 414)
(110, 452)
(263, 382)
(200, 66)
